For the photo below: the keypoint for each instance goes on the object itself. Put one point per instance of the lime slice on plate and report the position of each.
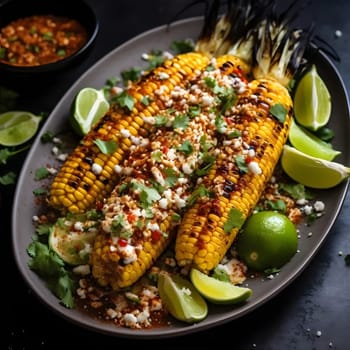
(216, 291)
(88, 107)
(181, 298)
(312, 101)
(306, 142)
(18, 127)
(72, 246)
(311, 171)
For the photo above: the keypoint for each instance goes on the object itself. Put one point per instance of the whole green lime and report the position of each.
(268, 239)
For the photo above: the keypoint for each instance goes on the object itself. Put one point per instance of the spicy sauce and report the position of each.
(40, 39)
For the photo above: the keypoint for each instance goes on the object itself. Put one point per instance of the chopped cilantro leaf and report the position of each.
(50, 267)
(41, 173)
(278, 205)
(8, 179)
(235, 220)
(186, 148)
(279, 112)
(6, 153)
(194, 111)
(148, 195)
(145, 100)
(241, 163)
(155, 58)
(124, 100)
(208, 161)
(220, 124)
(171, 176)
(44, 229)
(160, 120)
(199, 192)
(295, 190)
(181, 122)
(233, 134)
(40, 192)
(132, 74)
(47, 137)
(106, 147)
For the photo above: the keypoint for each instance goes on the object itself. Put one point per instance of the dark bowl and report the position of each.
(79, 10)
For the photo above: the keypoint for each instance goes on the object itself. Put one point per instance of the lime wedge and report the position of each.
(72, 246)
(311, 171)
(307, 142)
(88, 107)
(18, 127)
(216, 291)
(181, 299)
(312, 101)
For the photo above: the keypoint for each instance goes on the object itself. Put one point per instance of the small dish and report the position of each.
(12, 10)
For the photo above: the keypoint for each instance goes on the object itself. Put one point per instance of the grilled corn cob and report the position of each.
(144, 209)
(237, 179)
(88, 175)
(261, 122)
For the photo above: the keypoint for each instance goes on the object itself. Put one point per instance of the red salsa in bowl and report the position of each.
(40, 39)
(41, 36)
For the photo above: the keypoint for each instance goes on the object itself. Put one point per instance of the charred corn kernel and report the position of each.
(234, 184)
(79, 164)
(138, 221)
(112, 266)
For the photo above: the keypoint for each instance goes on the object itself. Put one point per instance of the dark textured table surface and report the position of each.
(313, 312)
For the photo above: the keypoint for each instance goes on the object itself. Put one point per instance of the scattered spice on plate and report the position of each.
(40, 39)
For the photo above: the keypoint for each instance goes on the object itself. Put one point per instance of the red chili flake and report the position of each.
(201, 244)
(228, 120)
(99, 205)
(131, 217)
(240, 74)
(156, 235)
(248, 159)
(122, 242)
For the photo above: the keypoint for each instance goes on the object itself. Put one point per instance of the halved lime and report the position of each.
(181, 299)
(216, 291)
(88, 107)
(307, 142)
(311, 171)
(72, 246)
(312, 101)
(18, 127)
(268, 239)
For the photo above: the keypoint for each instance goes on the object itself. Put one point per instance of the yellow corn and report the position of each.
(164, 167)
(210, 226)
(77, 186)
(110, 268)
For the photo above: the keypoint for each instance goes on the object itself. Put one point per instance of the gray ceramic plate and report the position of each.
(124, 57)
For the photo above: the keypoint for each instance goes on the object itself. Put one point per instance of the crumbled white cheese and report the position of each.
(96, 168)
(118, 169)
(78, 226)
(319, 206)
(125, 133)
(254, 168)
